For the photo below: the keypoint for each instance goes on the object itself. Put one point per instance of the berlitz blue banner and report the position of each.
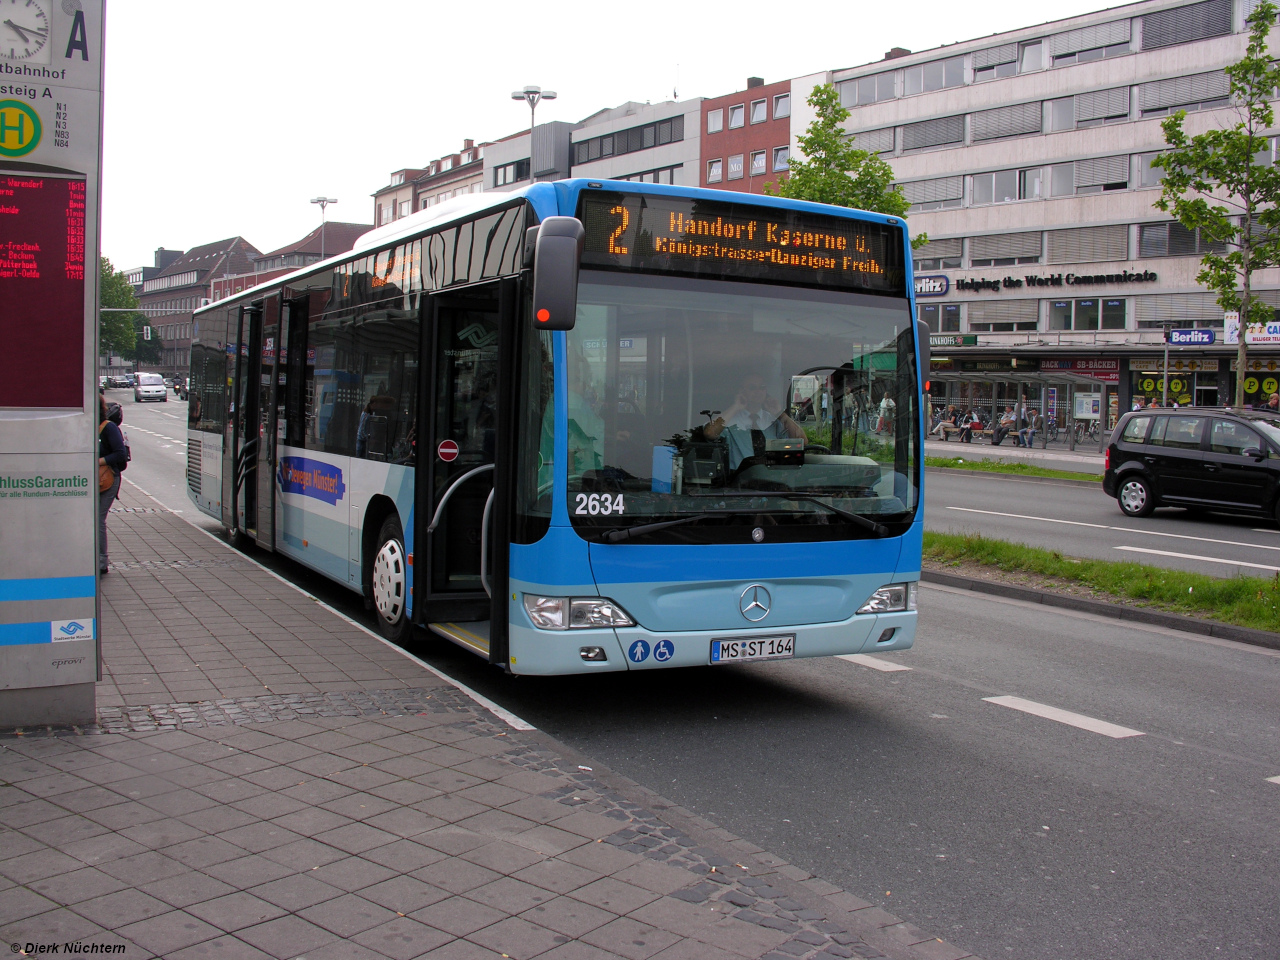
(311, 478)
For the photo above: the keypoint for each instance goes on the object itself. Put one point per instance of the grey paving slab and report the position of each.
(254, 790)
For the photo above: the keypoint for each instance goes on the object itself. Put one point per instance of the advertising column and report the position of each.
(50, 158)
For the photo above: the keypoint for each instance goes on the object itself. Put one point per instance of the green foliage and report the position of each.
(1215, 181)
(1244, 601)
(116, 330)
(835, 171)
(1006, 466)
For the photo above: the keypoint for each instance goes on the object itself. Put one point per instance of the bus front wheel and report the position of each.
(389, 581)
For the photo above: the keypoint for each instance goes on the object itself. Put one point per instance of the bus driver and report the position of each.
(753, 418)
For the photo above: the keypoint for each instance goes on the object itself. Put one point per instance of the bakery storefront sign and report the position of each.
(1099, 368)
(986, 285)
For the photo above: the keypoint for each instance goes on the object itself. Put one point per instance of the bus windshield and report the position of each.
(741, 406)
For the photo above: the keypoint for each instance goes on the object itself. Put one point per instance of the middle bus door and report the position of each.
(465, 464)
(269, 419)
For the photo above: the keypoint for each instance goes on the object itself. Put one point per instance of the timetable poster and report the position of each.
(42, 275)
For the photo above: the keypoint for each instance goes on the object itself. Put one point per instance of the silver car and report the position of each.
(150, 386)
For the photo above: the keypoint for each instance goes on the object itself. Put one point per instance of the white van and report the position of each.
(150, 386)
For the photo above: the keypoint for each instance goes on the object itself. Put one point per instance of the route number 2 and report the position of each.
(599, 503)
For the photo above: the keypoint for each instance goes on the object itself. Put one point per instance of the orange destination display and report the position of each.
(705, 238)
(42, 252)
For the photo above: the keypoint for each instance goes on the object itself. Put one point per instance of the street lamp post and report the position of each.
(324, 202)
(533, 96)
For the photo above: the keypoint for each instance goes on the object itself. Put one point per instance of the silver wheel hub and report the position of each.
(1133, 496)
(389, 581)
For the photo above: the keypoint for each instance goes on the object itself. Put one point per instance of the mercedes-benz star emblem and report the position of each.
(754, 603)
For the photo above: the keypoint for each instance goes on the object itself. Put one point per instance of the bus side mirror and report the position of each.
(557, 253)
(922, 334)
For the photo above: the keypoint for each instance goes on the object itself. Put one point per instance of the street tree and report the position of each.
(1222, 182)
(116, 330)
(834, 170)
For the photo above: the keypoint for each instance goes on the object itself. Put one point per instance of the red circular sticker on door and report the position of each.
(447, 451)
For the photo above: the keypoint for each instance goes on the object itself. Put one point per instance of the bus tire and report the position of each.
(389, 581)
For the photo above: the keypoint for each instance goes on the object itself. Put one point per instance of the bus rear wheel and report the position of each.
(389, 581)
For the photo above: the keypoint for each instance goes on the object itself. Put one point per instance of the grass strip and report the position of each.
(1005, 466)
(1243, 601)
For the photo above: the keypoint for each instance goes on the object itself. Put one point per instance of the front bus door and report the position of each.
(244, 491)
(470, 336)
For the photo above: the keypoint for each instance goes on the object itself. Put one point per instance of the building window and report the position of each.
(864, 90)
(715, 171)
(999, 187)
(468, 157)
(1093, 53)
(737, 116)
(663, 175)
(385, 213)
(1174, 240)
(759, 111)
(780, 157)
(446, 164)
(397, 178)
(937, 75)
(505, 174)
(781, 106)
(1031, 57)
(406, 207)
(735, 167)
(1147, 175)
(758, 163)
(715, 121)
(631, 140)
(941, 317)
(1091, 314)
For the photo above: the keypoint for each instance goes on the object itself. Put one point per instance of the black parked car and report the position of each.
(1201, 459)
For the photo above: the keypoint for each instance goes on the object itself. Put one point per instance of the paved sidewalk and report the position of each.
(267, 779)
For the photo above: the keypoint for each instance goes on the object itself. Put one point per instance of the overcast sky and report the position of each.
(225, 118)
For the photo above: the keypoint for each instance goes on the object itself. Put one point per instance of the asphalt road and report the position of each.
(1139, 824)
(1084, 522)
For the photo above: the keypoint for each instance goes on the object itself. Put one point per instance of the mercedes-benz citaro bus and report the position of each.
(586, 426)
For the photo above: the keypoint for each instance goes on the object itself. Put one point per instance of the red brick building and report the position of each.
(746, 137)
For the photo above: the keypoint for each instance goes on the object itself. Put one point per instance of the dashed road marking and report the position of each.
(884, 666)
(1106, 526)
(1092, 724)
(1192, 556)
(1273, 779)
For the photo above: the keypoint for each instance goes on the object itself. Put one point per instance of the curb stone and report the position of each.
(1116, 611)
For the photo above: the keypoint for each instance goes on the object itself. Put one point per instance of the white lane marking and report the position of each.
(154, 434)
(884, 666)
(1091, 724)
(1265, 530)
(1192, 556)
(1273, 779)
(502, 713)
(1104, 526)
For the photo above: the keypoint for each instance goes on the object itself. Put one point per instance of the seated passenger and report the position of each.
(753, 418)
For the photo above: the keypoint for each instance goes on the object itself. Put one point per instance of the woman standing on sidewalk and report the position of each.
(111, 453)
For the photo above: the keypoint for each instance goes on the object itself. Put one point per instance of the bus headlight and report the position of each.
(892, 598)
(564, 613)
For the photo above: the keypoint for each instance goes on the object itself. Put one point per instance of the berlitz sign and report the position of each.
(1053, 280)
(935, 285)
(1191, 338)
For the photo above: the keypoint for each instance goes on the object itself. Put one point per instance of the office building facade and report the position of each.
(1026, 156)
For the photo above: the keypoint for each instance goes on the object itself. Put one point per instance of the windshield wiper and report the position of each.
(879, 529)
(627, 533)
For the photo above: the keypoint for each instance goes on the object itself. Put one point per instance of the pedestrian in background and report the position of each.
(112, 457)
(1273, 404)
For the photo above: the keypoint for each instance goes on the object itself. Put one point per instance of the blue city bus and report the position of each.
(586, 425)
